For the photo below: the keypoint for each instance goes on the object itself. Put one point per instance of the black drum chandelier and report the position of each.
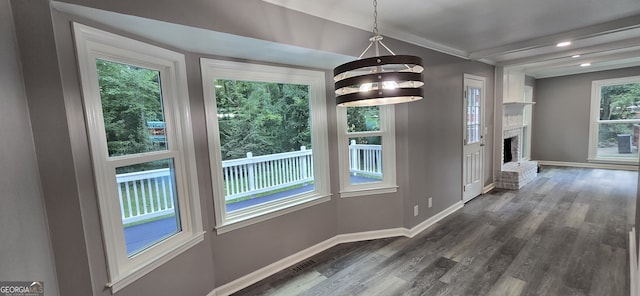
(378, 80)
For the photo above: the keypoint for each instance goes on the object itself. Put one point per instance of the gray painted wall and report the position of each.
(50, 126)
(429, 158)
(561, 115)
(25, 250)
(434, 136)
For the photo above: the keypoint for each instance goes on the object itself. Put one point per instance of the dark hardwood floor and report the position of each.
(564, 234)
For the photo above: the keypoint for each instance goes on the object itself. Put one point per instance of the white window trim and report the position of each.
(387, 132)
(596, 86)
(219, 69)
(92, 44)
(527, 122)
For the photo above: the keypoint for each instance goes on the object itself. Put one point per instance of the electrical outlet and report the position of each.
(415, 210)
(430, 202)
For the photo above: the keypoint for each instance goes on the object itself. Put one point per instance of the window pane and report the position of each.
(363, 119)
(148, 203)
(619, 140)
(365, 160)
(132, 108)
(620, 101)
(473, 96)
(473, 134)
(265, 139)
(473, 115)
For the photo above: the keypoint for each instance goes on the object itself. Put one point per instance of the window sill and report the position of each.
(369, 191)
(170, 253)
(257, 216)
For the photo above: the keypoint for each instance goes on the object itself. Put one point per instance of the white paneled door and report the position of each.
(473, 137)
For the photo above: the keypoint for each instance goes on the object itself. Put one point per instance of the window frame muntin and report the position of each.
(595, 121)
(212, 69)
(93, 44)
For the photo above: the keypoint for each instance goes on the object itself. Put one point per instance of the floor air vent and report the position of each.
(303, 265)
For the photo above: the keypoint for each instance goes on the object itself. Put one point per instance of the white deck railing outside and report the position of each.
(365, 159)
(149, 194)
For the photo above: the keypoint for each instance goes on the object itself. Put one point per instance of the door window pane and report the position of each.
(132, 108)
(473, 115)
(365, 160)
(265, 139)
(148, 203)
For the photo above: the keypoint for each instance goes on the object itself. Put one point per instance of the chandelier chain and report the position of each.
(375, 17)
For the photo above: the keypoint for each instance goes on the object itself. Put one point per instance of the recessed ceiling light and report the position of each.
(563, 44)
(575, 56)
(585, 65)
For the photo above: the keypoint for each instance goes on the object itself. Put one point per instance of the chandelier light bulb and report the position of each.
(366, 87)
(389, 85)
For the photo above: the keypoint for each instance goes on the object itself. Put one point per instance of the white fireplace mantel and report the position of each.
(515, 108)
(513, 113)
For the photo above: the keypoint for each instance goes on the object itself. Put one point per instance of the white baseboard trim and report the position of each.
(262, 273)
(433, 220)
(591, 165)
(367, 235)
(271, 269)
(633, 263)
(488, 188)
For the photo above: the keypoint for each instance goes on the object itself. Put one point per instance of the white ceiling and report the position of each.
(206, 41)
(510, 33)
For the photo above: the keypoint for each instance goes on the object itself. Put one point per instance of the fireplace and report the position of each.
(507, 155)
(515, 172)
(511, 145)
(510, 149)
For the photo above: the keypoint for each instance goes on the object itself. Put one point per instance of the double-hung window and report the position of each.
(615, 120)
(137, 113)
(367, 150)
(267, 140)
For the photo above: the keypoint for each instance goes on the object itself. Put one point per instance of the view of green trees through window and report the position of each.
(265, 139)
(364, 119)
(619, 121)
(262, 118)
(264, 130)
(131, 107)
(620, 101)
